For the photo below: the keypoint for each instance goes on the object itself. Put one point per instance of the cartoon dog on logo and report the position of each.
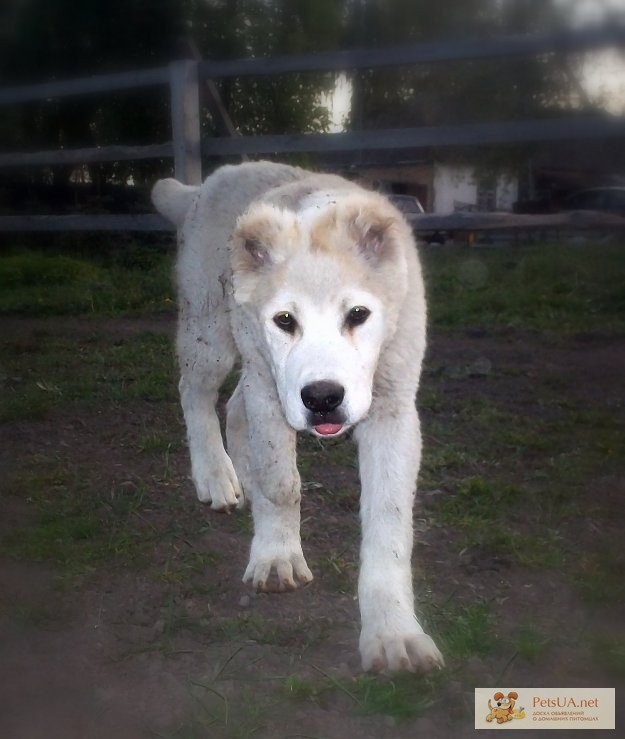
(503, 709)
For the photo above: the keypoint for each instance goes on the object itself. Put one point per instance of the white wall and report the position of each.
(507, 192)
(454, 185)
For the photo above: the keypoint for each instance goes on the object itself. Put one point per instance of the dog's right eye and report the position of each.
(285, 321)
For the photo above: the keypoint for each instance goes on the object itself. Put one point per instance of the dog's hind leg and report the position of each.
(206, 353)
(276, 559)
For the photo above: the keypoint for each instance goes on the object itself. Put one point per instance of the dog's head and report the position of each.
(324, 286)
(506, 703)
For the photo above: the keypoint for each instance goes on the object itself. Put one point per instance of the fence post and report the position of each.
(185, 121)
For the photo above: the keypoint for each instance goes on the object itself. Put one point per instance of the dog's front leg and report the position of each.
(389, 455)
(276, 559)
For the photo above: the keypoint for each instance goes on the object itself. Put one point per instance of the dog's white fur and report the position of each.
(256, 241)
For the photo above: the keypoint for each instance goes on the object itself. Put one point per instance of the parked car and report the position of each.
(411, 207)
(407, 204)
(607, 199)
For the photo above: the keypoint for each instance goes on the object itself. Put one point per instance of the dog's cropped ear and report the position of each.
(513, 695)
(263, 237)
(498, 696)
(172, 199)
(373, 226)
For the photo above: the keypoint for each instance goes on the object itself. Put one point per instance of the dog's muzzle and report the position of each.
(323, 400)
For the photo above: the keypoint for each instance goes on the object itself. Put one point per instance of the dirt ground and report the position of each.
(141, 627)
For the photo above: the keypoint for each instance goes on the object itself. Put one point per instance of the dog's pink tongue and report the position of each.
(327, 429)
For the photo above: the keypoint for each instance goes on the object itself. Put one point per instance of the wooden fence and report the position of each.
(183, 79)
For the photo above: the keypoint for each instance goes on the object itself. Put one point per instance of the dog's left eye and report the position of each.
(357, 315)
(285, 321)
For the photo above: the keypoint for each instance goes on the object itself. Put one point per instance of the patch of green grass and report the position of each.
(301, 689)
(312, 451)
(439, 460)
(492, 518)
(609, 652)
(531, 643)
(564, 288)
(135, 280)
(158, 442)
(216, 713)
(37, 268)
(30, 403)
(479, 499)
(346, 498)
(76, 525)
(599, 576)
(242, 521)
(338, 571)
(57, 371)
(301, 633)
(179, 570)
(401, 697)
(251, 626)
(466, 630)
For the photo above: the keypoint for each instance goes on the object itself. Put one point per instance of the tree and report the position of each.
(456, 92)
(44, 40)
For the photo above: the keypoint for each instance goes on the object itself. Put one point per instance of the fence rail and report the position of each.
(85, 86)
(428, 53)
(477, 134)
(183, 78)
(421, 224)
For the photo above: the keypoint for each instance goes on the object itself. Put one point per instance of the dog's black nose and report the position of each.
(323, 396)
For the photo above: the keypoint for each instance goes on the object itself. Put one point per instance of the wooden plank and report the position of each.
(457, 50)
(85, 86)
(477, 134)
(408, 54)
(138, 222)
(582, 219)
(185, 121)
(86, 156)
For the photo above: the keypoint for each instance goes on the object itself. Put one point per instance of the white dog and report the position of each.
(315, 283)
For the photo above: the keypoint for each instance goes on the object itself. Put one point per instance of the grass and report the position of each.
(178, 570)
(514, 484)
(401, 697)
(531, 643)
(493, 519)
(53, 371)
(466, 630)
(565, 288)
(599, 576)
(609, 652)
(216, 713)
(133, 280)
(77, 523)
(338, 571)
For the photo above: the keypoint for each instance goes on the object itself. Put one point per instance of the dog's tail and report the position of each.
(172, 199)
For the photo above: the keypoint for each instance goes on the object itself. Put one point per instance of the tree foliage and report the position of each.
(43, 40)
(456, 92)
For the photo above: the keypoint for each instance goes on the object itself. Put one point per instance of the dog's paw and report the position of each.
(222, 490)
(412, 652)
(279, 573)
